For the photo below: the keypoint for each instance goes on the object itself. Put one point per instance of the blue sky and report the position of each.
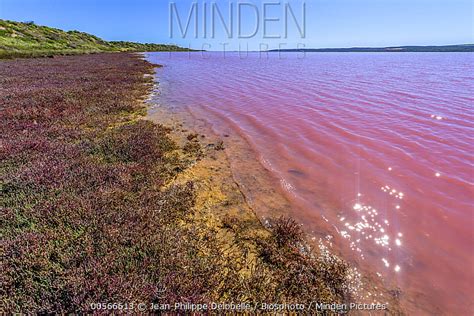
(329, 23)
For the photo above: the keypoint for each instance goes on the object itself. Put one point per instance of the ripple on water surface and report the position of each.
(378, 145)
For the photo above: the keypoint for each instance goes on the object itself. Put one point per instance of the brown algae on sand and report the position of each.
(254, 247)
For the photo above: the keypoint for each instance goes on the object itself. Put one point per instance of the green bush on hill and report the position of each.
(26, 39)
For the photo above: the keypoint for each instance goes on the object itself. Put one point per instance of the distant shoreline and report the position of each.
(393, 49)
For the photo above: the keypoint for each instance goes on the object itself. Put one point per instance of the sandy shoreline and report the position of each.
(314, 134)
(260, 191)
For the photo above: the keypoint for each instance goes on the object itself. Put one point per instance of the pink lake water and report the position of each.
(378, 145)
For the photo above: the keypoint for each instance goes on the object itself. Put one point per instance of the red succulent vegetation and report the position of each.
(88, 213)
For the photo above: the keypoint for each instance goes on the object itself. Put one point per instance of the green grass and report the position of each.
(18, 39)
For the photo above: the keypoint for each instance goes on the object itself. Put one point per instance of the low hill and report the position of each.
(446, 48)
(26, 39)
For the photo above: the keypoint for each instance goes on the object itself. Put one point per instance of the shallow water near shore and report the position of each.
(371, 151)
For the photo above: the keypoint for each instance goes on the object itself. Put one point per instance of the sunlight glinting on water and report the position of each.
(378, 146)
(369, 226)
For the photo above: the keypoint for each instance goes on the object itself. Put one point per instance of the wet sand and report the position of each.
(237, 171)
